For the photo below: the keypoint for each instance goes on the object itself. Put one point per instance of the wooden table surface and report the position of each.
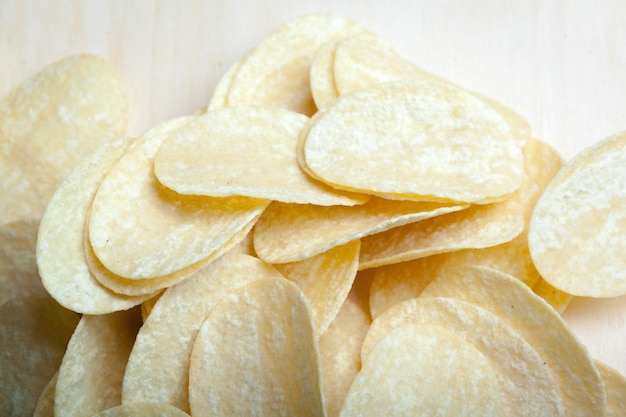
(559, 63)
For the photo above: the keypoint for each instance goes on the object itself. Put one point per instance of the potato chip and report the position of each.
(615, 384)
(325, 280)
(90, 376)
(161, 232)
(19, 276)
(289, 232)
(245, 151)
(424, 370)
(257, 357)
(220, 94)
(34, 332)
(522, 374)
(577, 227)
(557, 299)
(60, 250)
(413, 139)
(513, 302)
(49, 123)
(45, 403)
(143, 409)
(148, 305)
(276, 72)
(322, 76)
(158, 366)
(340, 346)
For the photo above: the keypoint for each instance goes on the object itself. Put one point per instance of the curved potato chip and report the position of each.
(143, 409)
(412, 139)
(161, 232)
(568, 359)
(325, 280)
(158, 366)
(322, 77)
(615, 384)
(261, 352)
(49, 123)
(276, 72)
(220, 94)
(289, 232)
(45, 403)
(417, 370)
(245, 151)
(60, 244)
(577, 227)
(522, 374)
(90, 376)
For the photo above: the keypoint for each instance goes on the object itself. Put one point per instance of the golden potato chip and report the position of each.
(158, 366)
(521, 372)
(577, 227)
(257, 357)
(245, 151)
(160, 232)
(557, 299)
(325, 280)
(19, 276)
(143, 409)
(340, 346)
(60, 251)
(414, 139)
(513, 302)
(90, 376)
(417, 370)
(276, 72)
(220, 94)
(49, 123)
(615, 385)
(45, 403)
(322, 77)
(289, 232)
(34, 332)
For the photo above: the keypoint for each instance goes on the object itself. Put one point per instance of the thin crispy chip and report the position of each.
(158, 366)
(414, 139)
(161, 232)
(256, 354)
(615, 385)
(522, 374)
(322, 77)
(45, 403)
(276, 72)
(60, 244)
(567, 358)
(288, 232)
(90, 376)
(577, 228)
(143, 409)
(49, 123)
(245, 151)
(34, 332)
(417, 370)
(557, 299)
(325, 280)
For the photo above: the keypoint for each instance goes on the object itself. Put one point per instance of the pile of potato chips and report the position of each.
(339, 233)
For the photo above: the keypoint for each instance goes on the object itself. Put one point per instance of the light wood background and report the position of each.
(560, 63)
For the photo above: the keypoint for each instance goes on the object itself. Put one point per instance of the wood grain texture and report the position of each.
(560, 63)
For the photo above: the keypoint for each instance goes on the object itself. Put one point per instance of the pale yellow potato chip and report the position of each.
(158, 366)
(325, 280)
(577, 227)
(493, 226)
(415, 139)
(557, 299)
(615, 385)
(322, 76)
(290, 232)
(417, 370)
(220, 94)
(276, 72)
(143, 409)
(19, 276)
(49, 123)
(340, 346)
(522, 374)
(90, 376)
(139, 229)
(543, 328)
(34, 332)
(60, 245)
(45, 403)
(245, 151)
(256, 354)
